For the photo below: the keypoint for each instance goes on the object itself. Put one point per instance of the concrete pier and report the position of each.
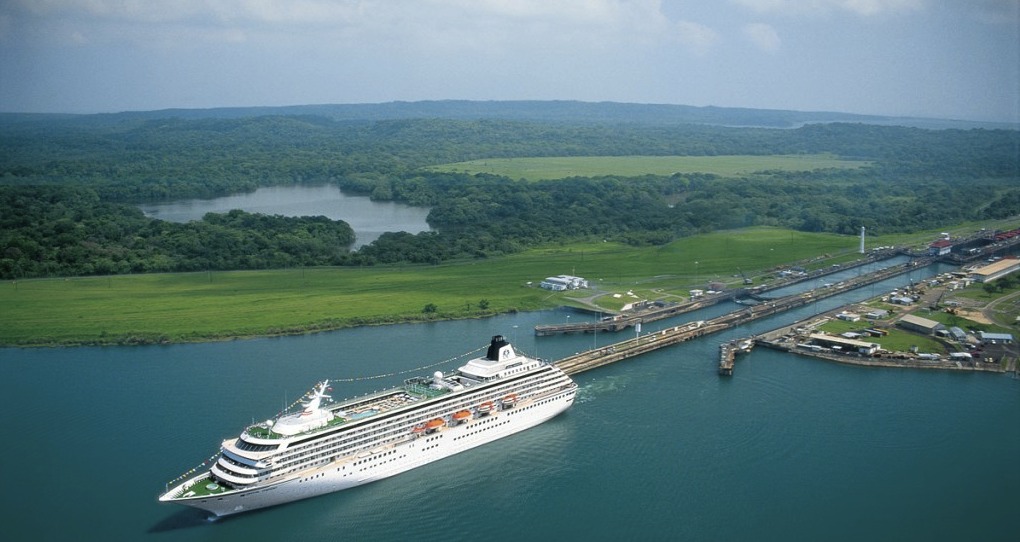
(598, 357)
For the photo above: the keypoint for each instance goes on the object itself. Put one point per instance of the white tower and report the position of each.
(862, 239)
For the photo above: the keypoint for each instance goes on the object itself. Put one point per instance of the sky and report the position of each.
(956, 59)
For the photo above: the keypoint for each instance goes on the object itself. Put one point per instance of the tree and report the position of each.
(430, 308)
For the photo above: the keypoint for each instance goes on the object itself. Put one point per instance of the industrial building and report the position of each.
(563, 282)
(1001, 338)
(842, 344)
(920, 325)
(995, 270)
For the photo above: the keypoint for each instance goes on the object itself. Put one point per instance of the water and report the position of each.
(656, 448)
(368, 218)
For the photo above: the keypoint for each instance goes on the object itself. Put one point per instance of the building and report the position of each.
(920, 325)
(848, 316)
(877, 314)
(563, 282)
(940, 247)
(841, 344)
(995, 270)
(1001, 338)
(957, 334)
(552, 283)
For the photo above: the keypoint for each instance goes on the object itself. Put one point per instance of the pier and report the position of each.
(591, 359)
(621, 322)
(624, 321)
(728, 354)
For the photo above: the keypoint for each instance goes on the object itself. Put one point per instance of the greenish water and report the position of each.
(655, 448)
(369, 219)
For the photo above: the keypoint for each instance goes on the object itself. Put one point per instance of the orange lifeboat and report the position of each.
(461, 416)
(485, 408)
(434, 425)
(509, 401)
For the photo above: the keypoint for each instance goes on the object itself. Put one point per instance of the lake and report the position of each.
(368, 218)
(657, 447)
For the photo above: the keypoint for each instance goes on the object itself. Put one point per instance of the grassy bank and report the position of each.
(186, 307)
(629, 166)
(218, 305)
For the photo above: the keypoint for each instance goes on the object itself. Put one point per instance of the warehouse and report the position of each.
(920, 325)
(995, 270)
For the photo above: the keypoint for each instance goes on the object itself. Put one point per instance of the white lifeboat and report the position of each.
(485, 408)
(434, 425)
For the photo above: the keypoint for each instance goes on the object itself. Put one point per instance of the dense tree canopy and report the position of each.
(68, 186)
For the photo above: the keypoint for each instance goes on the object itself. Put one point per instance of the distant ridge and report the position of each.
(530, 111)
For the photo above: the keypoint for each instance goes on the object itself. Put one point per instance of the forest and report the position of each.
(69, 186)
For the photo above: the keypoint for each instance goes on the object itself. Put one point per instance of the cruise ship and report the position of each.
(327, 446)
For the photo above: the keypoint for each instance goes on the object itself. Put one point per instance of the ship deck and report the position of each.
(360, 408)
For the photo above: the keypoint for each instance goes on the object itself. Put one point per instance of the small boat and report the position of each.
(461, 416)
(433, 425)
(509, 401)
(485, 408)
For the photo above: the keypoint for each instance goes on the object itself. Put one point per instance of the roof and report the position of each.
(996, 267)
(985, 336)
(941, 243)
(840, 340)
(920, 322)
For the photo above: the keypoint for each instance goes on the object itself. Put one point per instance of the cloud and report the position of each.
(698, 37)
(410, 25)
(865, 8)
(997, 11)
(763, 36)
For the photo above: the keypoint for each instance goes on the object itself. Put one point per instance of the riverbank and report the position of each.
(212, 306)
(796, 339)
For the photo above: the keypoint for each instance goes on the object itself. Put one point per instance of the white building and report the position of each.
(563, 282)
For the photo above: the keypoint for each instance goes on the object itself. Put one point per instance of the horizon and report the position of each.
(890, 58)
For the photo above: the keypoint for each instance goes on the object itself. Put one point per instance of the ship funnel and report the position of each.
(498, 342)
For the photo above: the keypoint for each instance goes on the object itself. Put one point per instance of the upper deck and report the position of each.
(500, 361)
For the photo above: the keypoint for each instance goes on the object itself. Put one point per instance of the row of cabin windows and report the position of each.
(397, 427)
(489, 424)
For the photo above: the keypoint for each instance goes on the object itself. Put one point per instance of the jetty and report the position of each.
(655, 310)
(728, 354)
(620, 322)
(642, 344)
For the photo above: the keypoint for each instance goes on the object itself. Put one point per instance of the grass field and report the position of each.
(534, 169)
(217, 305)
(184, 307)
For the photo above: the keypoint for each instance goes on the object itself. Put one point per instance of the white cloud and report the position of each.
(409, 25)
(859, 7)
(697, 37)
(997, 11)
(763, 36)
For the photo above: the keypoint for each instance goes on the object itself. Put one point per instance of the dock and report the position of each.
(728, 354)
(598, 357)
(621, 322)
(624, 321)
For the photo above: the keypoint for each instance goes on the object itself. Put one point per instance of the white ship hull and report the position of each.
(389, 459)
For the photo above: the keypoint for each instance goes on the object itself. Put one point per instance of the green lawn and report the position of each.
(897, 340)
(204, 306)
(534, 169)
(207, 306)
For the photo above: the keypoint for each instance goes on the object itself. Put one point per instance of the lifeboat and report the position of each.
(433, 425)
(461, 416)
(509, 401)
(485, 408)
